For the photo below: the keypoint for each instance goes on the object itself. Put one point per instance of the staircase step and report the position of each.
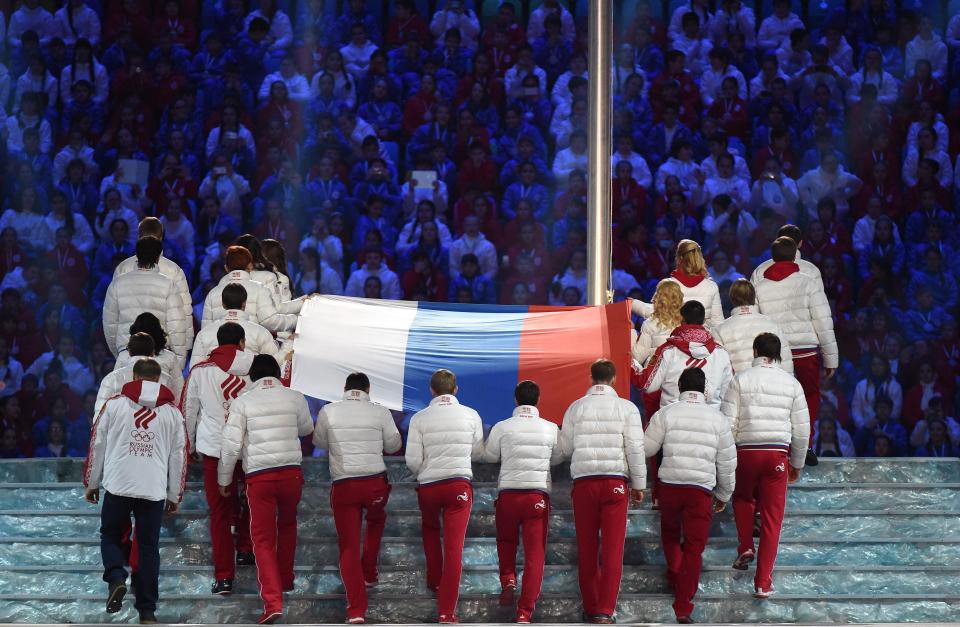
(394, 581)
(316, 496)
(853, 552)
(190, 525)
(632, 608)
(846, 470)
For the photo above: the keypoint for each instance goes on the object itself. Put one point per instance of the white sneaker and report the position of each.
(760, 593)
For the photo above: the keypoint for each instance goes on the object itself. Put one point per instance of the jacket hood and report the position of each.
(687, 280)
(781, 270)
(147, 393)
(232, 360)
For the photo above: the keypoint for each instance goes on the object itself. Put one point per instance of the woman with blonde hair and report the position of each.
(695, 282)
(662, 317)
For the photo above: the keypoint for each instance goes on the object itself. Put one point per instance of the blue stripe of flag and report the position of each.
(480, 344)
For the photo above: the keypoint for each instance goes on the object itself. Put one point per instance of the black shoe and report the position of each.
(812, 459)
(118, 590)
(686, 620)
(246, 558)
(223, 586)
(603, 619)
(147, 618)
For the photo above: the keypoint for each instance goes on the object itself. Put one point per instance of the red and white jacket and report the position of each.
(700, 288)
(797, 303)
(689, 346)
(211, 387)
(138, 445)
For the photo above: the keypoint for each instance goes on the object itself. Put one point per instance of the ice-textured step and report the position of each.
(847, 470)
(803, 580)
(852, 553)
(897, 497)
(563, 608)
(641, 524)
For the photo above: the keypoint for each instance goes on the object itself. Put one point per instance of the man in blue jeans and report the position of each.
(138, 454)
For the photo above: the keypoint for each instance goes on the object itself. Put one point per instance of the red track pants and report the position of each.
(445, 504)
(685, 512)
(807, 372)
(600, 516)
(273, 498)
(223, 512)
(349, 499)
(526, 512)
(764, 474)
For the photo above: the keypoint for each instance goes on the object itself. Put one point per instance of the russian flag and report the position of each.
(490, 348)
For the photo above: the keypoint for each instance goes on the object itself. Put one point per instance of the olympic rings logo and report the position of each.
(142, 436)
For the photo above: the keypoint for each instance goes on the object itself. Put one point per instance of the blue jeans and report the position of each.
(114, 521)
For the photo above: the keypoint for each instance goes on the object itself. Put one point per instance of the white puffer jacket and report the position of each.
(258, 339)
(697, 446)
(801, 309)
(707, 294)
(260, 305)
(665, 375)
(211, 388)
(111, 384)
(263, 430)
(279, 286)
(806, 267)
(169, 364)
(356, 432)
(602, 435)
(738, 332)
(526, 446)
(172, 270)
(768, 411)
(144, 290)
(443, 439)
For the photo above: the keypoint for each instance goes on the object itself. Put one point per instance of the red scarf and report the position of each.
(681, 338)
(146, 395)
(781, 270)
(687, 280)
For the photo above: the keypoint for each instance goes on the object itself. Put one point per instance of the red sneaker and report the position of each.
(506, 594)
(269, 617)
(743, 560)
(448, 619)
(524, 618)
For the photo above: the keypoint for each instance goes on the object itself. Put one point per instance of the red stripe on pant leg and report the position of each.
(685, 512)
(557, 346)
(262, 496)
(772, 470)
(221, 519)
(807, 372)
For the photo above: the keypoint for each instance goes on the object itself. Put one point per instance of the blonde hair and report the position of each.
(690, 258)
(667, 301)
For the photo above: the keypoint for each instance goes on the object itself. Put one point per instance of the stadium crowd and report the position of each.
(437, 151)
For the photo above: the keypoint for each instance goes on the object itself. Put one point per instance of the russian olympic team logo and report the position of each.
(542, 504)
(619, 490)
(781, 467)
(142, 436)
(141, 443)
(463, 497)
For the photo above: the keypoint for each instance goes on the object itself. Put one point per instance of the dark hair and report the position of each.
(767, 345)
(252, 244)
(230, 334)
(792, 231)
(147, 369)
(149, 226)
(357, 381)
(693, 312)
(784, 249)
(140, 344)
(527, 393)
(148, 252)
(693, 380)
(150, 324)
(234, 296)
(603, 371)
(264, 366)
(274, 253)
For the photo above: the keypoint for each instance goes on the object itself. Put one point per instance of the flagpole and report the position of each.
(599, 30)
